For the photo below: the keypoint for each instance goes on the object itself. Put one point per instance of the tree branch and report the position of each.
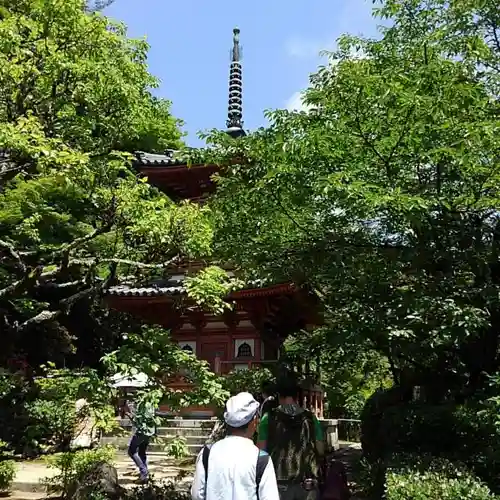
(66, 304)
(42, 317)
(65, 249)
(280, 204)
(6, 174)
(11, 288)
(403, 133)
(83, 239)
(22, 283)
(15, 255)
(140, 265)
(495, 37)
(367, 142)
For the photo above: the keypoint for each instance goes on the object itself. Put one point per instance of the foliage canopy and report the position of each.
(76, 99)
(383, 196)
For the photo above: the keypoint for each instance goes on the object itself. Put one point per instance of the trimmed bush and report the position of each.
(7, 474)
(74, 467)
(414, 485)
(420, 477)
(53, 416)
(393, 424)
(415, 477)
(39, 416)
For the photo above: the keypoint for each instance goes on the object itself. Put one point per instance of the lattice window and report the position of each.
(188, 348)
(244, 351)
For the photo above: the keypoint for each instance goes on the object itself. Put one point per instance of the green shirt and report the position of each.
(264, 428)
(145, 419)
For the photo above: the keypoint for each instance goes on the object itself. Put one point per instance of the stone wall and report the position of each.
(330, 429)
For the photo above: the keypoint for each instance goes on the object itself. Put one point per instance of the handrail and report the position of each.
(349, 429)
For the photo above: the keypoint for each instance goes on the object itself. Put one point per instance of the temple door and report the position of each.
(211, 350)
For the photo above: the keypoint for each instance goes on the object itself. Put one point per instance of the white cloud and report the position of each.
(295, 103)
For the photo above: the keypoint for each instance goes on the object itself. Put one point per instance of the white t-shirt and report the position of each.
(232, 468)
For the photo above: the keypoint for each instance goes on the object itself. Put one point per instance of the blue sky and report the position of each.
(190, 42)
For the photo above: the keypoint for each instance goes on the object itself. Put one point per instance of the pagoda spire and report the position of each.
(235, 109)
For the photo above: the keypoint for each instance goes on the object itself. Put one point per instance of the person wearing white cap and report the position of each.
(234, 468)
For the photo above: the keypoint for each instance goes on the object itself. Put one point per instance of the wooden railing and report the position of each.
(349, 430)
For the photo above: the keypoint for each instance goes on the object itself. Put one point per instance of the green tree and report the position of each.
(152, 353)
(383, 197)
(75, 100)
(349, 372)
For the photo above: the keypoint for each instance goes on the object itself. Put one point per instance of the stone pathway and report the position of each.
(349, 454)
(27, 484)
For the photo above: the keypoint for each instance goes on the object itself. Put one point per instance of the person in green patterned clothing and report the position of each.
(143, 417)
(294, 439)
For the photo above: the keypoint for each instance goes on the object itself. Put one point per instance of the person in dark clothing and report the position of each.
(294, 438)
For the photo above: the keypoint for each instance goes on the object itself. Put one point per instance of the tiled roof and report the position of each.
(155, 289)
(152, 291)
(160, 160)
(160, 291)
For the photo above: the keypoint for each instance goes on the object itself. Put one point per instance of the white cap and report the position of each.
(240, 409)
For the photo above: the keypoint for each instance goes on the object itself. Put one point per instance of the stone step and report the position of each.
(188, 439)
(166, 431)
(204, 424)
(177, 422)
(184, 431)
(124, 440)
(121, 443)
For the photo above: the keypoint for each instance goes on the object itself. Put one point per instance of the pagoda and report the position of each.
(249, 334)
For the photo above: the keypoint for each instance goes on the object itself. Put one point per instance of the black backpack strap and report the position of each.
(308, 417)
(204, 459)
(271, 430)
(262, 461)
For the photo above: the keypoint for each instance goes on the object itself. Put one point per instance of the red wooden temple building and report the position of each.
(252, 332)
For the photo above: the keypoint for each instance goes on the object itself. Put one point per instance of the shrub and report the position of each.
(157, 491)
(393, 424)
(51, 425)
(370, 478)
(14, 392)
(415, 485)
(53, 418)
(73, 466)
(420, 477)
(177, 447)
(414, 477)
(7, 474)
